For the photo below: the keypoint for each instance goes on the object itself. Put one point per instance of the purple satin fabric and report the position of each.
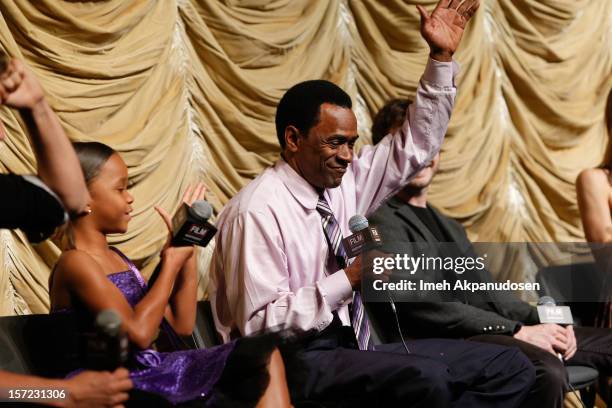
(178, 376)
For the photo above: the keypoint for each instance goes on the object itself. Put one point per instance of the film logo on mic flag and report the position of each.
(363, 238)
(549, 312)
(191, 226)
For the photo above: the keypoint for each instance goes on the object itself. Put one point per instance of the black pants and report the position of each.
(594, 350)
(436, 373)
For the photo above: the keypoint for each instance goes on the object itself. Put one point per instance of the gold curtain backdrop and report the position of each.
(186, 90)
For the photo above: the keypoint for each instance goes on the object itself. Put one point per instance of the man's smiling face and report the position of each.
(322, 156)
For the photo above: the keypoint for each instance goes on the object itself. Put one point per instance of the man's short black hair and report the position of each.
(300, 106)
(390, 116)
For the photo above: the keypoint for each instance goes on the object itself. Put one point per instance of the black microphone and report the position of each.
(364, 236)
(106, 348)
(191, 226)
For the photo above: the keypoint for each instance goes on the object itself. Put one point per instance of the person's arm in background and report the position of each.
(593, 191)
(90, 389)
(432, 313)
(58, 166)
(594, 203)
(382, 170)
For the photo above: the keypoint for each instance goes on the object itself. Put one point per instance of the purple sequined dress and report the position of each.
(178, 376)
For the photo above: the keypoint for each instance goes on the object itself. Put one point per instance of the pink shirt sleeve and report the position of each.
(381, 170)
(259, 285)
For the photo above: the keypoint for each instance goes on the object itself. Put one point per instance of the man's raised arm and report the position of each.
(382, 170)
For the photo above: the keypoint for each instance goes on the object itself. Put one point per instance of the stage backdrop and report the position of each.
(186, 90)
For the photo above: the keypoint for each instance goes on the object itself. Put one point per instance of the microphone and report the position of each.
(549, 312)
(191, 226)
(367, 237)
(364, 236)
(107, 347)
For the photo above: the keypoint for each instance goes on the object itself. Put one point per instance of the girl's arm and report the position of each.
(84, 278)
(181, 312)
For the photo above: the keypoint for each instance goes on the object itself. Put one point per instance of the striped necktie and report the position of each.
(338, 260)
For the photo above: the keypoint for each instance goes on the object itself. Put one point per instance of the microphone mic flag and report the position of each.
(364, 236)
(190, 224)
(549, 312)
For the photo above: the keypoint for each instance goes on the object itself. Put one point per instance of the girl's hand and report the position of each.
(176, 256)
(191, 195)
(198, 193)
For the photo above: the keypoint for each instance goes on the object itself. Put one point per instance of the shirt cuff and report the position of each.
(441, 74)
(336, 290)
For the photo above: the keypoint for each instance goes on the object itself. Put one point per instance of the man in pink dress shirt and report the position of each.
(277, 265)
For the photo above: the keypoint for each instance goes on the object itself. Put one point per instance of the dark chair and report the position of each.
(44, 345)
(205, 333)
(577, 285)
(583, 379)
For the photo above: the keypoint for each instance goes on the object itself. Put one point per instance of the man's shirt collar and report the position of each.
(301, 189)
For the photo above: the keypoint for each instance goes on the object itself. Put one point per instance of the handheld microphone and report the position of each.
(549, 312)
(191, 224)
(106, 348)
(364, 236)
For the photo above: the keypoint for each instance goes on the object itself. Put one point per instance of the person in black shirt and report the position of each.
(494, 317)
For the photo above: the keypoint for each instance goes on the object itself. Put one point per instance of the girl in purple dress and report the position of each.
(91, 277)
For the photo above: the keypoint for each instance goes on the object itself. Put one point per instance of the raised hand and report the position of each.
(443, 29)
(191, 194)
(174, 256)
(194, 194)
(19, 88)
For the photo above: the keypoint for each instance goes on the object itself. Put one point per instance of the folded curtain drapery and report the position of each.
(186, 90)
